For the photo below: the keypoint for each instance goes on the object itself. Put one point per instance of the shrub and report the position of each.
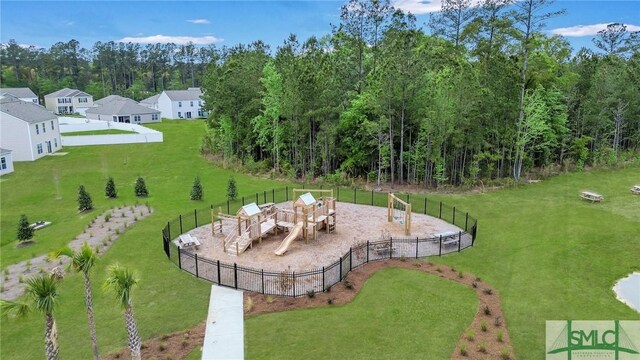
(417, 263)
(232, 190)
(487, 310)
(196, 190)
(311, 294)
(185, 343)
(328, 289)
(84, 199)
(25, 232)
(488, 291)
(270, 299)
(504, 354)
(438, 269)
(483, 326)
(470, 335)
(474, 284)
(162, 347)
(141, 187)
(248, 305)
(497, 321)
(478, 279)
(499, 336)
(460, 274)
(330, 301)
(403, 258)
(482, 347)
(463, 350)
(110, 189)
(348, 284)
(117, 231)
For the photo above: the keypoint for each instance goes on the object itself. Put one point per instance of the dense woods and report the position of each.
(485, 93)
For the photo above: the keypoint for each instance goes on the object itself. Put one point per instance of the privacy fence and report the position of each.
(291, 283)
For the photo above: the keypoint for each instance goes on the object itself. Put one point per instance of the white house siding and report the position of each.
(6, 164)
(178, 109)
(14, 135)
(49, 136)
(164, 105)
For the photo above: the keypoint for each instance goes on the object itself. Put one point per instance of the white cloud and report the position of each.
(165, 39)
(586, 30)
(70, 23)
(199, 21)
(420, 7)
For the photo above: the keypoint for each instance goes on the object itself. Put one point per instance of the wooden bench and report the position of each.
(383, 249)
(448, 237)
(591, 196)
(636, 189)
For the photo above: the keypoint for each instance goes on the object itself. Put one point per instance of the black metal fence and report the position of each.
(291, 283)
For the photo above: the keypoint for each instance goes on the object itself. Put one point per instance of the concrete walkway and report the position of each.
(224, 335)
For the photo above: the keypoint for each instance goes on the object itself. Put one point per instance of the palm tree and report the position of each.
(43, 291)
(121, 280)
(83, 261)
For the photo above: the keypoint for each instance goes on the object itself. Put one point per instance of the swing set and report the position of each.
(400, 212)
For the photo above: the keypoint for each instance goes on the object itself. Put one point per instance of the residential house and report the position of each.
(24, 94)
(109, 98)
(123, 110)
(68, 101)
(178, 104)
(6, 161)
(29, 130)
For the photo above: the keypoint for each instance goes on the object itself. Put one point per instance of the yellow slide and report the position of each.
(293, 234)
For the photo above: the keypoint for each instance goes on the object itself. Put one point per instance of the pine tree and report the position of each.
(25, 232)
(141, 188)
(196, 190)
(232, 191)
(110, 189)
(84, 199)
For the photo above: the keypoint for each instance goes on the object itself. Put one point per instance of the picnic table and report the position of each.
(591, 196)
(636, 189)
(383, 249)
(449, 237)
(187, 240)
(39, 225)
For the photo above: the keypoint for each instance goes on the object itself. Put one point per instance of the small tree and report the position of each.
(196, 190)
(84, 199)
(141, 187)
(110, 189)
(25, 232)
(232, 191)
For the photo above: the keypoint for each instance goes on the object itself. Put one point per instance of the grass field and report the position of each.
(98, 132)
(394, 309)
(551, 255)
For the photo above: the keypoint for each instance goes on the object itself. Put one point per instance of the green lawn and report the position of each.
(550, 254)
(399, 314)
(98, 132)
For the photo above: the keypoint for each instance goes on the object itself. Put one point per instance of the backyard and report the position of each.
(551, 256)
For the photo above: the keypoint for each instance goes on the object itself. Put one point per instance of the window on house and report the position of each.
(200, 103)
(59, 101)
(136, 118)
(154, 117)
(82, 100)
(55, 142)
(44, 128)
(179, 103)
(37, 129)
(35, 100)
(39, 148)
(179, 114)
(3, 163)
(52, 127)
(191, 104)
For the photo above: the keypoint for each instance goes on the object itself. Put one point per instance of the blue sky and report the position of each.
(230, 22)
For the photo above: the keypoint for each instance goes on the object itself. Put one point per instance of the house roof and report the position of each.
(251, 209)
(122, 107)
(307, 199)
(150, 100)
(184, 95)
(4, 151)
(26, 111)
(18, 92)
(109, 98)
(66, 92)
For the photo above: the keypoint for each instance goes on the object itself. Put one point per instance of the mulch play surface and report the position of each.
(486, 337)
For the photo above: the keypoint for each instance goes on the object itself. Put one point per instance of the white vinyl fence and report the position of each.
(69, 124)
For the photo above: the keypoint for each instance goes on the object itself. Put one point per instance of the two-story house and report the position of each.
(24, 94)
(68, 101)
(29, 130)
(178, 104)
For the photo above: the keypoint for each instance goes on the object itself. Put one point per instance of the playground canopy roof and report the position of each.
(250, 210)
(307, 199)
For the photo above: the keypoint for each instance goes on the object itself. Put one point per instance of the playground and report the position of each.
(332, 229)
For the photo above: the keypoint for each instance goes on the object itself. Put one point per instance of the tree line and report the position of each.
(486, 95)
(126, 69)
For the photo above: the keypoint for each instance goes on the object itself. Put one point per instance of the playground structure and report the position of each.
(400, 212)
(253, 222)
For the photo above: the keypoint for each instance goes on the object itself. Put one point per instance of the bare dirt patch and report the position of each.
(100, 235)
(178, 345)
